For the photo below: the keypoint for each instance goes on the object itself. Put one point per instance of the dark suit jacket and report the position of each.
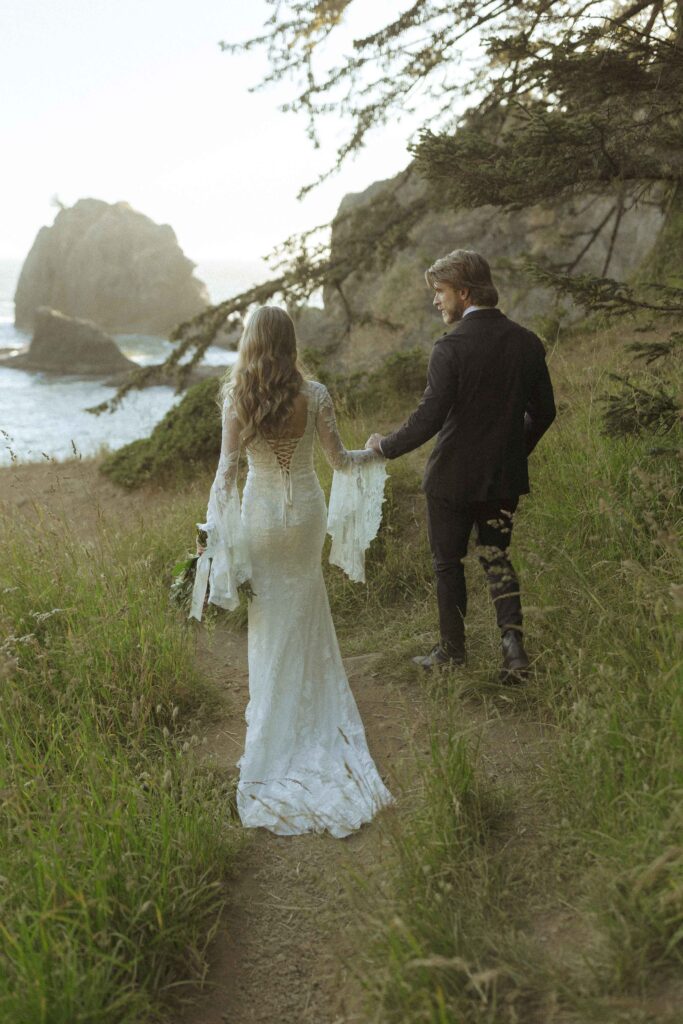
(490, 398)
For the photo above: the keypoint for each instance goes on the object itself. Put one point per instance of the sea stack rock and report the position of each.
(63, 344)
(109, 263)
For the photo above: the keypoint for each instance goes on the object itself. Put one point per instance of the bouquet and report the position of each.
(184, 575)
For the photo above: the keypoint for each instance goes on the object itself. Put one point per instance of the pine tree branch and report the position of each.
(592, 238)
(600, 294)
(615, 231)
(565, 100)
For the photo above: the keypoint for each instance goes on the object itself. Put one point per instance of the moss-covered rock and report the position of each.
(185, 441)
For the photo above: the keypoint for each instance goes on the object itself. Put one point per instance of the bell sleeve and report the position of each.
(355, 508)
(225, 562)
(355, 514)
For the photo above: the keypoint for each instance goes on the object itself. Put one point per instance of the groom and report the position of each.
(490, 399)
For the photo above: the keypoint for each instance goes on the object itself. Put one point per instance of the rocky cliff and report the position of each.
(391, 308)
(63, 344)
(70, 345)
(110, 264)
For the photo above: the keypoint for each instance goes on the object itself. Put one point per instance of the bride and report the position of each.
(306, 765)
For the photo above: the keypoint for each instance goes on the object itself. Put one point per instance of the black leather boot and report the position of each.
(439, 658)
(515, 659)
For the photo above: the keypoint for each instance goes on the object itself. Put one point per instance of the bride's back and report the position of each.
(295, 425)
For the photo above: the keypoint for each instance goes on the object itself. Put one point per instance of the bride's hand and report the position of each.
(201, 548)
(374, 442)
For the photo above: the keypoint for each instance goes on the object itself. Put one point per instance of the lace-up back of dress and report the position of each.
(288, 457)
(278, 452)
(283, 449)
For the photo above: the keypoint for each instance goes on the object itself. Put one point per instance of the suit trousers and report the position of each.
(449, 528)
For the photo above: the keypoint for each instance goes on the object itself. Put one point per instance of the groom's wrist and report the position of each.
(385, 446)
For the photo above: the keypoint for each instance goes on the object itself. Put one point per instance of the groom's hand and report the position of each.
(374, 442)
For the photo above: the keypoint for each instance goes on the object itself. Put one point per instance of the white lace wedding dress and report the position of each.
(306, 765)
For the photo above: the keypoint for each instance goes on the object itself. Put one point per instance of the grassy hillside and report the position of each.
(550, 891)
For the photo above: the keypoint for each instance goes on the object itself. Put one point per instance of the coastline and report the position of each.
(45, 413)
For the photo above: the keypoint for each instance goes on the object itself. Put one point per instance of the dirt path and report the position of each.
(286, 950)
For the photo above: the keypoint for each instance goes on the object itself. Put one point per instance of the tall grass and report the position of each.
(462, 940)
(446, 916)
(608, 517)
(114, 842)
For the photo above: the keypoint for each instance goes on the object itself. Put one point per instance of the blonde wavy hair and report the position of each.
(464, 268)
(267, 375)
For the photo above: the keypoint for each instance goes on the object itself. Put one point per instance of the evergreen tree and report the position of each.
(563, 97)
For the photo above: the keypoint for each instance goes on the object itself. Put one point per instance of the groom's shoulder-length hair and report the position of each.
(464, 268)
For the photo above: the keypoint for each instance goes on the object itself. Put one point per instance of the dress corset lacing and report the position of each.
(283, 448)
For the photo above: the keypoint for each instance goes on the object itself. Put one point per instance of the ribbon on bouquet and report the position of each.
(201, 582)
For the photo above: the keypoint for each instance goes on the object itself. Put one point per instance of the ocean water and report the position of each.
(43, 416)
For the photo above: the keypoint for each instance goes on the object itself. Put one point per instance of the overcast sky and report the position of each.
(133, 100)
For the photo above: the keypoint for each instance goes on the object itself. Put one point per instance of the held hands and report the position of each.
(374, 442)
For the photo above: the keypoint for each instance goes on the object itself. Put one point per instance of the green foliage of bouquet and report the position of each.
(184, 574)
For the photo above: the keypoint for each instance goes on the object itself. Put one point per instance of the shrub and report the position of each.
(183, 443)
(401, 375)
(634, 408)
